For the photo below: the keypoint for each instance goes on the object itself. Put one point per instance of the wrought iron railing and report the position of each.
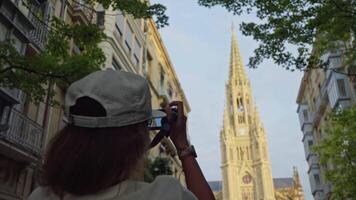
(24, 133)
(39, 34)
(40, 21)
(86, 10)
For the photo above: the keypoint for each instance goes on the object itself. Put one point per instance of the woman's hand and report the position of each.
(193, 175)
(178, 130)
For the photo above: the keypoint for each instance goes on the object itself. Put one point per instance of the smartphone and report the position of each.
(155, 123)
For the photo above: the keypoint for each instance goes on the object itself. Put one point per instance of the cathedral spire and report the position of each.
(237, 71)
(245, 164)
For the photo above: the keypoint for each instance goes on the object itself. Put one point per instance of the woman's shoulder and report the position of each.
(42, 193)
(170, 187)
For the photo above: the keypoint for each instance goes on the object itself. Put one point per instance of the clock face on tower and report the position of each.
(247, 179)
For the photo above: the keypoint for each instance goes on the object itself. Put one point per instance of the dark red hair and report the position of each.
(84, 161)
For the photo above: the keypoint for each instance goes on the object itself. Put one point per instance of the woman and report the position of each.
(100, 153)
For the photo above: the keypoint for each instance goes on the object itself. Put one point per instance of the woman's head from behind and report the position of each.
(106, 135)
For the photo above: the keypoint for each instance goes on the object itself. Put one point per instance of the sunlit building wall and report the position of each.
(320, 92)
(135, 45)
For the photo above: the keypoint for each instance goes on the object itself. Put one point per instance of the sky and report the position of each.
(198, 42)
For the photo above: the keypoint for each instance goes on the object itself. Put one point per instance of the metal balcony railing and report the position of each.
(24, 133)
(31, 19)
(39, 34)
(89, 13)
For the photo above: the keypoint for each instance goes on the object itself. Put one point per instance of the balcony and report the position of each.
(315, 182)
(304, 116)
(27, 22)
(308, 144)
(39, 34)
(313, 161)
(82, 12)
(339, 91)
(23, 133)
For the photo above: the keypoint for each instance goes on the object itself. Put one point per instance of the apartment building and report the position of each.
(25, 128)
(22, 126)
(135, 45)
(320, 92)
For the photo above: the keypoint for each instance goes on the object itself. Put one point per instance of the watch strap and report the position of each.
(188, 151)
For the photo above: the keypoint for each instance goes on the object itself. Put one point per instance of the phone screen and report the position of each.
(155, 123)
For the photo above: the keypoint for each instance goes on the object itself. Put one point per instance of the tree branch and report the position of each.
(344, 9)
(29, 70)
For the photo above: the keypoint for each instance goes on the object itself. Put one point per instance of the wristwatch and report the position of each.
(188, 151)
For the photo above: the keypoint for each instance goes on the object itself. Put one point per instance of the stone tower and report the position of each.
(246, 170)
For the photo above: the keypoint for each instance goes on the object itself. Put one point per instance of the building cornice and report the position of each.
(166, 58)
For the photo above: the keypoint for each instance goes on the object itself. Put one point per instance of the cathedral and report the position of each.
(245, 165)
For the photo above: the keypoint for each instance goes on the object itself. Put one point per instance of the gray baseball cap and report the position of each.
(125, 96)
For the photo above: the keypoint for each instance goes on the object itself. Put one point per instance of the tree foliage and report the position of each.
(56, 64)
(156, 167)
(338, 153)
(324, 25)
(136, 8)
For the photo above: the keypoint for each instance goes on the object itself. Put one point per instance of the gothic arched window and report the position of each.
(240, 104)
(242, 153)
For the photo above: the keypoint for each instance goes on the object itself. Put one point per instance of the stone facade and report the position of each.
(320, 92)
(284, 188)
(26, 129)
(245, 165)
(22, 124)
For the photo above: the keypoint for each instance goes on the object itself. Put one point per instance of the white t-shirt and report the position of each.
(164, 187)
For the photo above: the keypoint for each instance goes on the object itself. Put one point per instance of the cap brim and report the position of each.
(158, 114)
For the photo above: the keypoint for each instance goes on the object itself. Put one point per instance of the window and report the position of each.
(162, 79)
(341, 87)
(240, 105)
(335, 62)
(3, 31)
(317, 179)
(4, 114)
(305, 115)
(116, 64)
(310, 143)
(241, 119)
(170, 91)
(120, 23)
(148, 65)
(18, 44)
(241, 154)
(137, 52)
(128, 38)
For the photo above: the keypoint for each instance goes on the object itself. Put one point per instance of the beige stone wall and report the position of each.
(246, 170)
